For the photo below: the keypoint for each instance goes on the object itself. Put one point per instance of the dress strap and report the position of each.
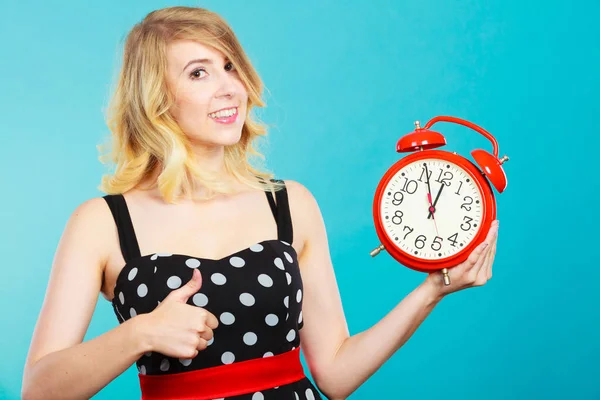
(127, 239)
(281, 212)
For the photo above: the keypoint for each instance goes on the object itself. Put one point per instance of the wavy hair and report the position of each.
(144, 133)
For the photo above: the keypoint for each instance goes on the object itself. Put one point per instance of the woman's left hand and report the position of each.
(474, 271)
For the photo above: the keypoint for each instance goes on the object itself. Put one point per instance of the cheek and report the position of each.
(192, 107)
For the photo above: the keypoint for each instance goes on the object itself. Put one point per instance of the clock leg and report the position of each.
(377, 250)
(446, 277)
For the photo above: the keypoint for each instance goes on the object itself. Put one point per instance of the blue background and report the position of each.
(345, 81)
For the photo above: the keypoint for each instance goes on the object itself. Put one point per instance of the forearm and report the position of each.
(81, 371)
(362, 354)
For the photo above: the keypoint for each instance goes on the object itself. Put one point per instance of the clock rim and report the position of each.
(488, 211)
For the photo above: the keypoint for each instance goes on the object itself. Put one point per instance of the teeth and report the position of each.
(223, 113)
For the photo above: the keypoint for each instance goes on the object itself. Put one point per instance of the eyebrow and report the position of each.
(200, 61)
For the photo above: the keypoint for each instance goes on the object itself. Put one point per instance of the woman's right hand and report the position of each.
(177, 329)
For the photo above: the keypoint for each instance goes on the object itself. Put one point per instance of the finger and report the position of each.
(190, 288)
(490, 263)
(492, 234)
(481, 268)
(476, 254)
(206, 333)
(202, 344)
(211, 321)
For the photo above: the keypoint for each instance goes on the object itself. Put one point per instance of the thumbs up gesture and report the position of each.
(177, 329)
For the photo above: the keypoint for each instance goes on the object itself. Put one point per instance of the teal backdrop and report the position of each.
(345, 81)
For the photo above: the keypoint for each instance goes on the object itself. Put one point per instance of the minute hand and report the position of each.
(436, 199)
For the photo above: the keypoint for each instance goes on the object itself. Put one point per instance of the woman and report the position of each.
(214, 285)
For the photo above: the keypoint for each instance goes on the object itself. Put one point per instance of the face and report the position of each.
(210, 103)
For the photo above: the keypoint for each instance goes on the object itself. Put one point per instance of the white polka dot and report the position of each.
(174, 282)
(258, 396)
(247, 299)
(142, 290)
(154, 257)
(289, 277)
(164, 365)
(286, 243)
(227, 357)
(227, 318)
(121, 298)
(212, 339)
(286, 301)
(299, 295)
(148, 353)
(291, 335)
(164, 254)
(300, 318)
(237, 262)
(279, 264)
(296, 394)
(271, 319)
(185, 361)
(218, 279)
(288, 257)
(268, 354)
(132, 274)
(143, 370)
(200, 299)
(154, 269)
(192, 263)
(256, 247)
(287, 316)
(250, 338)
(265, 280)
(132, 312)
(309, 394)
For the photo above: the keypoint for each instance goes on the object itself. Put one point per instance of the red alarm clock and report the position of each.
(433, 207)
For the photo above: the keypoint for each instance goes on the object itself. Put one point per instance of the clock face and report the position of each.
(456, 202)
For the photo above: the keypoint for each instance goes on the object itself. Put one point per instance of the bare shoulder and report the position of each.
(90, 235)
(93, 220)
(305, 211)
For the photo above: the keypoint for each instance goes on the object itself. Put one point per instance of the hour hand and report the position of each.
(435, 202)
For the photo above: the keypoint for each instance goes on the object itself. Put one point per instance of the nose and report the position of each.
(227, 86)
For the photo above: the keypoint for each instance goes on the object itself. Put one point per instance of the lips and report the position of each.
(215, 114)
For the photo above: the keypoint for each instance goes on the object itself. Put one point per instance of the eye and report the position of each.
(195, 74)
(229, 66)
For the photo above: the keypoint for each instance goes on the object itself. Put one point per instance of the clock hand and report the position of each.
(436, 200)
(431, 208)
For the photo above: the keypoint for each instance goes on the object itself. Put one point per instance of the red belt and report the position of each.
(225, 380)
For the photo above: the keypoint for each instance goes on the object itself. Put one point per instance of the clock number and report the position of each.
(397, 217)
(447, 177)
(468, 222)
(407, 186)
(435, 246)
(459, 186)
(453, 239)
(423, 173)
(410, 230)
(422, 241)
(397, 201)
(467, 204)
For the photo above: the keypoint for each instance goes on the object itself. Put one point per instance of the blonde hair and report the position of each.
(144, 133)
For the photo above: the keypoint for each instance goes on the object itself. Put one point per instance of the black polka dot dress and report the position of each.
(256, 294)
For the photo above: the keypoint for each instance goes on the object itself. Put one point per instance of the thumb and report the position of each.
(191, 287)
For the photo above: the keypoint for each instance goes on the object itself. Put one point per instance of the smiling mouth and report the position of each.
(226, 113)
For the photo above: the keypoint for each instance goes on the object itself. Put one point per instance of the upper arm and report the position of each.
(74, 283)
(325, 326)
